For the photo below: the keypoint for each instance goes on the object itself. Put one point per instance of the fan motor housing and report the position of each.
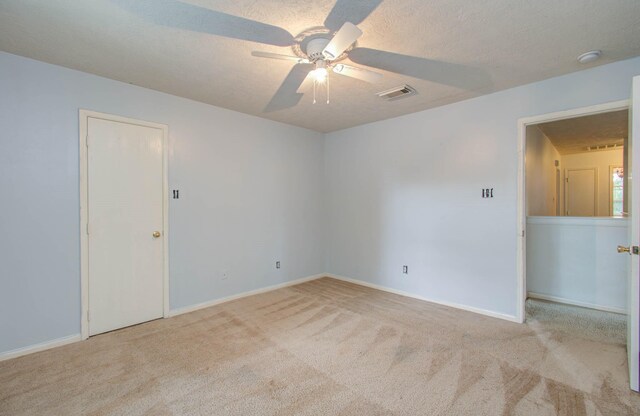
(315, 48)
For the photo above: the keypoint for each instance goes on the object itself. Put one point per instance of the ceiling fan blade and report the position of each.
(354, 11)
(180, 15)
(343, 38)
(455, 75)
(358, 73)
(280, 56)
(287, 95)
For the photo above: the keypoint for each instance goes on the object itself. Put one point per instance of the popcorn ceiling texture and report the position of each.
(467, 48)
(327, 347)
(575, 134)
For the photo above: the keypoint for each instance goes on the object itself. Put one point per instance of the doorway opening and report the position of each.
(544, 197)
(572, 208)
(575, 206)
(575, 209)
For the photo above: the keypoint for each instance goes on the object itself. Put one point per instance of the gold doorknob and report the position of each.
(622, 249)
(157, 234)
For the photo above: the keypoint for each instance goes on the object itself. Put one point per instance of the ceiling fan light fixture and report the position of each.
(320, 73)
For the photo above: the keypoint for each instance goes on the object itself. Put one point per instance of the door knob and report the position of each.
(157, 234)
(630, 249)
(622, 249)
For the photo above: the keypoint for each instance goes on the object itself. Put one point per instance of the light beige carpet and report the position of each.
(569, 320)
(325, 348)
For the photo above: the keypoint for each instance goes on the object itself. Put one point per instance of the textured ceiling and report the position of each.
(449, 50)
(574, 135)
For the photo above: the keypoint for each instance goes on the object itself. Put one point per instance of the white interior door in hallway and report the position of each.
(581, 192)
(124, 224)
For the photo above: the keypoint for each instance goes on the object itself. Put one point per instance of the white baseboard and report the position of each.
(558, 299)
(30, 349)
(480, 311)
(192, 308)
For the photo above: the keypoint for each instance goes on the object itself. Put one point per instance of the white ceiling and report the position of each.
(462, 48)
(574, 135)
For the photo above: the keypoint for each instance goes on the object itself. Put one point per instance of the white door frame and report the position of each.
(521, 259)
(84, 203)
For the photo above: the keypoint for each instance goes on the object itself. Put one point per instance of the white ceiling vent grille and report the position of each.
(397, 93)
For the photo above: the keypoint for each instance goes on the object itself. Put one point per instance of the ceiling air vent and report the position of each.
(397, 93)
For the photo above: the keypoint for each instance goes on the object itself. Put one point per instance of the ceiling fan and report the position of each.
(315, 49)
(323, 53)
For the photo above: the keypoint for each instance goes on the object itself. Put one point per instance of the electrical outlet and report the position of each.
(277, 264)
(405, 269)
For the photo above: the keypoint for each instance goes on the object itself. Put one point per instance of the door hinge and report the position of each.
(87, 228)
(523, 233)
(86, 142)
(88, 316)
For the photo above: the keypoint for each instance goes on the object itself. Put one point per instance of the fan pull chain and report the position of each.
(327, 81)
(314, 90)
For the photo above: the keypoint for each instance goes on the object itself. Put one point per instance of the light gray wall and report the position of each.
(574, 260)
(540, 173)
(249, 195)
(408, 190)
(401, 191)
